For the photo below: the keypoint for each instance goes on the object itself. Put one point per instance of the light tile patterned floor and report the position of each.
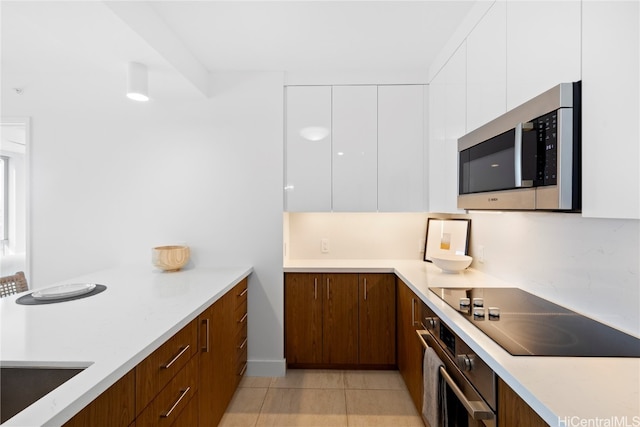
(323, 398)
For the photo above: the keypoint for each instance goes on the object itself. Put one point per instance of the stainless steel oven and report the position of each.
(469, 384)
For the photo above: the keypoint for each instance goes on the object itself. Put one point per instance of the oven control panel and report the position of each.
(448, 338)
(473, 367)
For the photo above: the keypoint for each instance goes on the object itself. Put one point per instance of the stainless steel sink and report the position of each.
(22, 386)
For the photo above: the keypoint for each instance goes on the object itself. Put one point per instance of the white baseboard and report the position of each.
(266, 368)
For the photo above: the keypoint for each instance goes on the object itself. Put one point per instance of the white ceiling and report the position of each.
(303, 35)
(209, 36)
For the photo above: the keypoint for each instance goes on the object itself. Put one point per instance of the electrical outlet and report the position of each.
(324, 246)
(481, 254)
(420, 246)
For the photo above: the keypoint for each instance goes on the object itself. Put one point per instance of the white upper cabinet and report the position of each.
(355, 148)
(543, 47)
(354, 152)
(401, 148)
(308, 149)
(487, 68)
(447, 109)
(610, 109)
(435, 166)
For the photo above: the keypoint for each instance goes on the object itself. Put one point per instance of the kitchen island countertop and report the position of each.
(564, 391)
(108, 333)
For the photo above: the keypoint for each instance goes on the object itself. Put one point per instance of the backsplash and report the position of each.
(588, 265)
(356, 235)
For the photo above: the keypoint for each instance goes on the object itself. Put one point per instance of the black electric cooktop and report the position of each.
(527, 325)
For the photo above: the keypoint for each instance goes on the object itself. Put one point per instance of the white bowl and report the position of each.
(451, 263)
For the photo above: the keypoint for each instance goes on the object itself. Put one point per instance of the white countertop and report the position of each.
(109, 333)
(564, 391)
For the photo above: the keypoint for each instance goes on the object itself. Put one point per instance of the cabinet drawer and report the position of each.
(241, 365)
(166, 408)
(242, 340)
(153, 373)
(241, 316)
(189, 415)
(241, 290)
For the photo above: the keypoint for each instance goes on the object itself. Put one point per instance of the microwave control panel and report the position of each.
(547, 136)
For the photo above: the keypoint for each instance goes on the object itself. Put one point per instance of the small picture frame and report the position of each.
(447, 235)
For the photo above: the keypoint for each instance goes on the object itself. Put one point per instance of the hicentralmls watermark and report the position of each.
(576, 421)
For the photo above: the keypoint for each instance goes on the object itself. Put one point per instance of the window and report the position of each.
(4, 194)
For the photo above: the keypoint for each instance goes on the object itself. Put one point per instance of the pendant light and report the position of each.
(137, 85)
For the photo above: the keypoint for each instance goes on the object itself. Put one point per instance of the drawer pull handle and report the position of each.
(243, 293)
(205, 349)
(365, 288)
(244, 368)
(183, 393)
(243, 344)
(243, 318)
(184, 349)
(413, 312)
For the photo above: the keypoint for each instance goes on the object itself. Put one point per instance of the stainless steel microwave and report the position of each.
(527, 159)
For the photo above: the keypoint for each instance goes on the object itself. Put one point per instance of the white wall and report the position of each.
(590, 265)
(356, 235)
(110, 178)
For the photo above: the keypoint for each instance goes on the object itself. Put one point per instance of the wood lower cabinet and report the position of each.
(222, 360)
(169, 405)
(113, 408)
(188, 381)
(340, 335)
(410, 351)
(339, 320)
(513, 411)
(377, 319)
(155, 372)
(241, 292)
(303, 299)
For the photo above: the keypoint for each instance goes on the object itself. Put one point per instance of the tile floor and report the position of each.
(327, 398)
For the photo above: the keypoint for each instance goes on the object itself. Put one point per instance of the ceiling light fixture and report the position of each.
(137, 82)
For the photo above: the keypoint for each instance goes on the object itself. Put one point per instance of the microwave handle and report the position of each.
(520, 127)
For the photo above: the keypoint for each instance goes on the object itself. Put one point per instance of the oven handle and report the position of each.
(477, 409)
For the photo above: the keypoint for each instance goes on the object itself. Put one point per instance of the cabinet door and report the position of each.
(610, 109)
(308, 149)
(377, 295)
(355, 158)
(513, 411)
(448, 115)
(543, 47)
(115, 407)
(217, 359)
(340, 319)
(410, 350)
(303, 301)
(487, 68)
(401, 147)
